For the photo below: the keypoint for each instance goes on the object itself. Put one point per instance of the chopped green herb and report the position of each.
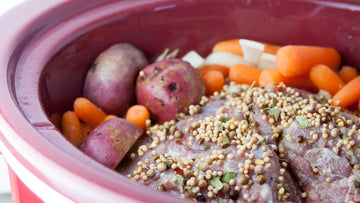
(273, 111)
(356, 184)
(187, 187)
(227, 176)
(220, 127)
(266, 138)
(225, 155)
(225, 142)
(274, 101)
(180, 179)
(167, 163)
(302, 122)
(224, 120)
(286, 186)
(215, 181)
(207, 147)
(357, 149)
(281, 136)
(178, 117)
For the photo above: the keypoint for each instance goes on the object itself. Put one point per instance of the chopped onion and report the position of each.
(194, 59)
(267, 61)
(252, 51)
(224, 58)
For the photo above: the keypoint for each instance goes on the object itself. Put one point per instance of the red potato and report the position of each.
(110, 141)
(109, 84)
(168, 87)
(133, 53)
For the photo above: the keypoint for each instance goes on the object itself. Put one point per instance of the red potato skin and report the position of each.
(110, 83)
(168, 87)
(110, 141)
(133, 53)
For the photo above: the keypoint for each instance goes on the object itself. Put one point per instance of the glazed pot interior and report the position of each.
(196, 26)
(49, 68)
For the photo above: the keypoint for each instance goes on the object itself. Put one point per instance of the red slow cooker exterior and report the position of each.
(47, 47)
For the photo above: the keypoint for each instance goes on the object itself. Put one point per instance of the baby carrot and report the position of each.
(348, 73)
(293, 60)
(85, 129)
(55, 119)
(271, 75)
(214, 81)
(223, 69)
(326, 79)
(233, 46)
(71, 127)
(243, 74)
(348, 95)
(301, 82)
(271, 49)
(88, 112)
(108, 117)
(138, 114)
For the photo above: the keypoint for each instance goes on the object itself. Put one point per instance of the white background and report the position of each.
(5, 5)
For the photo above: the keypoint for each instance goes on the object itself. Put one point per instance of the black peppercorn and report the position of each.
(234, 194)
(299, 139)
(200, 198)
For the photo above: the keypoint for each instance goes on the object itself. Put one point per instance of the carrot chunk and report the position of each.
(271, 49)
(71, 127)
(326, 79)
(223, 69)
(138, 114)
(85, 129)
(348, 95)
(294, 60)
(214, 81)
(301, 82)
(243, 74)
(108, 117)
(233, 46)
(271, 75)
(55, 119)
(88, 112)
(348, 73)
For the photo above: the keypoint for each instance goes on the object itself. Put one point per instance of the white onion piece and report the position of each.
(224, 58)
(267, 61)
(252, 51)
(194, 59)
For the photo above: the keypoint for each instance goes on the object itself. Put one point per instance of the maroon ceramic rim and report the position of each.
(20, 136)
(28, 139)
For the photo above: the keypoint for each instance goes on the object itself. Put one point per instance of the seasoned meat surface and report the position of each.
(249, 144)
